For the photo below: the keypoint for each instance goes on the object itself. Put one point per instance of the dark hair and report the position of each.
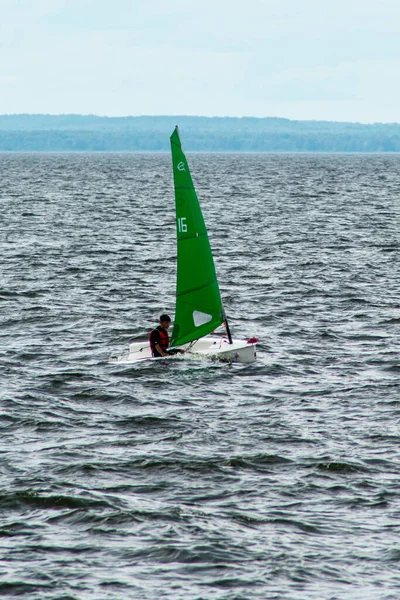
(165, 318)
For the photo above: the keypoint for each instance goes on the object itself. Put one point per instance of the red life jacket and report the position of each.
(163, 343)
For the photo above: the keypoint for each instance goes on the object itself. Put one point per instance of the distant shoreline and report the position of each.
(216, 152)
(90, 133)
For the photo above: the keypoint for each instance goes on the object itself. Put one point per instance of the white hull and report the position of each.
(215, 348)
(220, 349)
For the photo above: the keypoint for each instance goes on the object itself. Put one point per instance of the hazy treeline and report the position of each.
(215, 134)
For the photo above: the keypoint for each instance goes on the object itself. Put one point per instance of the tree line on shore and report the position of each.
(91, 133)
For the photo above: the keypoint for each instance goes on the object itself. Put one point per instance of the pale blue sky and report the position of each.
(300, 59)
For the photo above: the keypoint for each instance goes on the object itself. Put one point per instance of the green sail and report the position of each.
(198, 301)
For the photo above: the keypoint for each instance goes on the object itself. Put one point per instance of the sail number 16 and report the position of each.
(182, 225)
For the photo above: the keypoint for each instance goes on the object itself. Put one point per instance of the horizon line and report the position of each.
(188, 116)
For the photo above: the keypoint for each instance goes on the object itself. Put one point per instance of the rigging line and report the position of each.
(189, 347)
(192, 344)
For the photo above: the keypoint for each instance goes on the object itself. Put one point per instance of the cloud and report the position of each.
(267, 57)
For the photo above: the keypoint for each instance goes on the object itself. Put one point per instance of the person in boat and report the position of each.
(159, 339)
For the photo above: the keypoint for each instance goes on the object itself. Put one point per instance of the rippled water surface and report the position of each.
(190, 479)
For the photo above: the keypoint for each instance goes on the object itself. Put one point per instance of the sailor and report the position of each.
(159, 338)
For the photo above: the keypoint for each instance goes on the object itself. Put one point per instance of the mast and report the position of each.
(228, 331)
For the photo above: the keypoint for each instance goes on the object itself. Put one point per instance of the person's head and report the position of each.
(165, 321)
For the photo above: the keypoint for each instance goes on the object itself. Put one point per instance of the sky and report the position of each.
(336, 60)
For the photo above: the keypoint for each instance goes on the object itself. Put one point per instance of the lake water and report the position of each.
(189, 479)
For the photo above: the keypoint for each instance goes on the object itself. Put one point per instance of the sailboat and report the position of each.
(199, 310)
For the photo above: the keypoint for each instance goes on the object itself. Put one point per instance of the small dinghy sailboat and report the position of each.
(199, 309)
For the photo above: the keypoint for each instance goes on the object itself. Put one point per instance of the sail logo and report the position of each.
(181, 166)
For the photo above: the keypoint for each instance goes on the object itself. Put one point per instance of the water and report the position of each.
(192, 479)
